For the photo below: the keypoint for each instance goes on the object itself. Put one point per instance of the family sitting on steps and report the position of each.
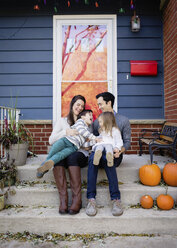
(73, 137)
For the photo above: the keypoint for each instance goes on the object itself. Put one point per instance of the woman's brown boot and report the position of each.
(61, 182)
(75, 183)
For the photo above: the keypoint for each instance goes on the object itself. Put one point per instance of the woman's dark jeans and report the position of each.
(75, 159)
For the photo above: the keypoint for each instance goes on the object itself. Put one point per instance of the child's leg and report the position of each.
(109, 154)
(98, 154)
(68, 148)
(56, 147)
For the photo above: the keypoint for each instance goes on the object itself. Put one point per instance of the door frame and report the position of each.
(57, 63)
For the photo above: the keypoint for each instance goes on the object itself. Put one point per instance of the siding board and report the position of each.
(26, 33)
(26, 56)
(26, 79)
(21, 68)
(23, 45)
(27, 91)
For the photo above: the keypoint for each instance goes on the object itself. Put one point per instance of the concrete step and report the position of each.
(133, 221)
(127, 172)
(47, 194)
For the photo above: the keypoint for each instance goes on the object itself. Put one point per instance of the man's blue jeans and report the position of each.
(111, 175)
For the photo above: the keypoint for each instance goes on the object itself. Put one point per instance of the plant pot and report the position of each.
(1, 202)
(18, 152)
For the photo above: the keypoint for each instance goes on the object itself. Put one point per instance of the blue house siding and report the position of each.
(26, 65)
(140, 97)
(26, 60)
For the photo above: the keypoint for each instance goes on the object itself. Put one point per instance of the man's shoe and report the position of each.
(91, 207)
(117, 209)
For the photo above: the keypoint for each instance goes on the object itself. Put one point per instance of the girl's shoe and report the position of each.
(97, 156)
(109, 157)
(46, 166)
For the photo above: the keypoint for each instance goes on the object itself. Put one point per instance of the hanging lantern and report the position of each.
(135, 23)
(132, 5)
(69, 4)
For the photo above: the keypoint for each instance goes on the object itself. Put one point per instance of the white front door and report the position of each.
(84, 60)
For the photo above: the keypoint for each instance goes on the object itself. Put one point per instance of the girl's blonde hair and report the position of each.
(109, 122)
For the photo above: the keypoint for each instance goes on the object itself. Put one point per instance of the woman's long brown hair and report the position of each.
(70, 116)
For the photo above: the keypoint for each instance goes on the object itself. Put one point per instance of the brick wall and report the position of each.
(170, 60)
(41, 133)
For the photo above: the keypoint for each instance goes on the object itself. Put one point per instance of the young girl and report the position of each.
(111, 138)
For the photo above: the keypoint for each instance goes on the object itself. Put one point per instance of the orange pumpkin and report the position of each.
(150, 175)
(170, 174)
(165, 202)
(146, 201)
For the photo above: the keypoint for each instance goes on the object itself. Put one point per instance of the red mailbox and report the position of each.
(143, 68)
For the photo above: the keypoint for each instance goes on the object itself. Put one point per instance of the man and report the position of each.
(105, 103)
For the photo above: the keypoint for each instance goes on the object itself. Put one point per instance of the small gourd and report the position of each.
(146, 201)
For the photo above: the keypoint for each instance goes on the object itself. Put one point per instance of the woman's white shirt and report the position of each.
(59, 130)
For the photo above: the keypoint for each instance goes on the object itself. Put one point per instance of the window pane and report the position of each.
(88, 90)
(84, 52)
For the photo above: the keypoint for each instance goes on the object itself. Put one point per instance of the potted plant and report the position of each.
(8, 173)
(16, 138)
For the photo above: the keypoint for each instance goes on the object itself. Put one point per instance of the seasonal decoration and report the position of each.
(170, 174)
(146, 201)
(96, 4)
(132, 5)
(121, 10)
(150, 175)
(165, 202)
(36, 7)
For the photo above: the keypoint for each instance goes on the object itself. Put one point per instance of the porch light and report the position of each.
(135, 23)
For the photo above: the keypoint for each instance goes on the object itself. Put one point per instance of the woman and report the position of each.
(73, 162)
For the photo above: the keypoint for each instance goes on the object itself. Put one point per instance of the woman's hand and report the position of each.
(71, 132)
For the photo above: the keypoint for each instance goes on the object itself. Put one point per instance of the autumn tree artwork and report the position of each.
(84, 64)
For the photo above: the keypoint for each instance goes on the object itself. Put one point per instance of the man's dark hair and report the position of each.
(84, 112)
(107, 96)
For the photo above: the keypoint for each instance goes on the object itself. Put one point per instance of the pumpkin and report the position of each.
(146, 201)
(165, 202)
(170, 174)
(150, 175)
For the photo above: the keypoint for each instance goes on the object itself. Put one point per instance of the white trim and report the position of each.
(110, 21)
